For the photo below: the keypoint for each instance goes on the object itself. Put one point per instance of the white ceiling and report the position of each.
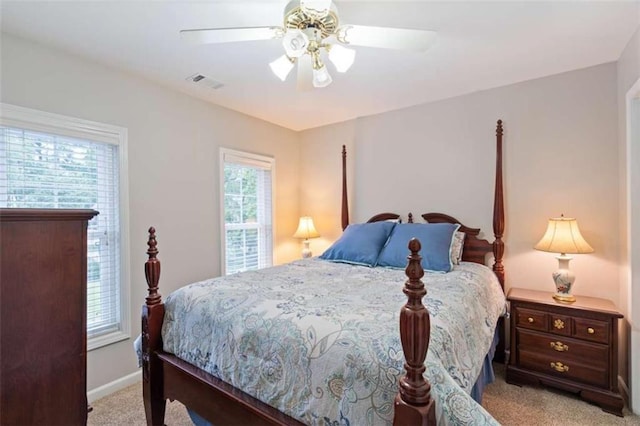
(480, 45)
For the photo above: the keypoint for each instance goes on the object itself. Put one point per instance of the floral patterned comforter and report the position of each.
(320, 341)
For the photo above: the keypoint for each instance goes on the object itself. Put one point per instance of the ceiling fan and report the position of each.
(311, 30)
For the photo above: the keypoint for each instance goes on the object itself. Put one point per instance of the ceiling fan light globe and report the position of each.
(281, 67)
(295, 43)
(321, 77)
(341, 57)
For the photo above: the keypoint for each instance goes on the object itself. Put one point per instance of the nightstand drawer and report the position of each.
(560, 324)
(534, 320)
(591, 354)
(562, 366)
(588, 329)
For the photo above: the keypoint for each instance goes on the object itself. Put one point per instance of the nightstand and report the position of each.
(570, 346)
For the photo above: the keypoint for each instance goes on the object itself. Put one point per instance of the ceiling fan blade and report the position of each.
(387, 38)
(229, 35)
(305, 74)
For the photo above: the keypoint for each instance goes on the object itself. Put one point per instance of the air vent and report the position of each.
(202, 80)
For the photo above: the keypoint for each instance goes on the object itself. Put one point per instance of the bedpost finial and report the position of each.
(344, 150)
(414, 246)
(499, 128)
(414, 268)
(152, 243)
(152, 269)
(410, 218)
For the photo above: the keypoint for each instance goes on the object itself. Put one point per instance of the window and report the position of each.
(247, 210)
(51, 161)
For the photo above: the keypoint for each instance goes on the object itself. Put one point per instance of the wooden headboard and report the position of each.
(475, 249)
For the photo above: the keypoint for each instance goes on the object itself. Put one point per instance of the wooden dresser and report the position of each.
(572, 346)
(43, 285)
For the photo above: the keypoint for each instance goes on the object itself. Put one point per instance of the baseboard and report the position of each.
(114, 386)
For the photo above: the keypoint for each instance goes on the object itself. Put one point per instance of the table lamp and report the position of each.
(306, 230)
(563, 236)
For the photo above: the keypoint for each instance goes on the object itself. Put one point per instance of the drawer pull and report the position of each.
(590, 330)
(530, 320)
(559, 367)
(559, 324)
(559, 346)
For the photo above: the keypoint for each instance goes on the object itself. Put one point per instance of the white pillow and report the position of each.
(456, 247)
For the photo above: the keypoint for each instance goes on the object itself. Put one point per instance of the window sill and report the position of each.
(106, 339)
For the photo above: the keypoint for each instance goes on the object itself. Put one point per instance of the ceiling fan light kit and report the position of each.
(307, 26)
(307, 23)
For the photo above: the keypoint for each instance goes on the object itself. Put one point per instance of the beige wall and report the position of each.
(173, 168)
(561, 156)
(321, 184)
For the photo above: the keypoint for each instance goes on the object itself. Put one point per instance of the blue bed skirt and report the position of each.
(486, 375)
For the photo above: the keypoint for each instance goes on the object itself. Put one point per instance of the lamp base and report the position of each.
(564, 280)
(306, 251)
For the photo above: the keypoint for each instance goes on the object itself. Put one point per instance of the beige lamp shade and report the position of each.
(306, 229)
(563, 236)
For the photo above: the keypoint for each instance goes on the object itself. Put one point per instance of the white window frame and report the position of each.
(245, 157)
(40, 121)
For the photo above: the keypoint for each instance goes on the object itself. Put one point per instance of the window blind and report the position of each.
(247, 212)
(40, 170)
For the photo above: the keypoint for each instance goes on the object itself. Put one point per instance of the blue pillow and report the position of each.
(360, 243)
(436, 240)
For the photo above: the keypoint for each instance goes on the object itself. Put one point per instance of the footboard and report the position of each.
(167, 377)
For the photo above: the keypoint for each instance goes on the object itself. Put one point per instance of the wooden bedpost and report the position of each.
(345, 202)
(498, 210)
(498, 232)
(413, 404)
(152, 316)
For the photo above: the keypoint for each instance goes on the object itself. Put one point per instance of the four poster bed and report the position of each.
(331, 326)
